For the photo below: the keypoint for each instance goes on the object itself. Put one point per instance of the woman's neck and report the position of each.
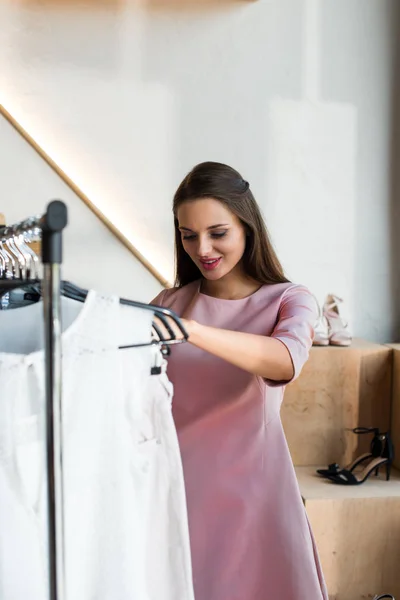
(230, 287)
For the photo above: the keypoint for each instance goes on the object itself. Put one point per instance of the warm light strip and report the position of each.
(89, 203)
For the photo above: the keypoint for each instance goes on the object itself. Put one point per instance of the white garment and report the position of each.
(126, 532)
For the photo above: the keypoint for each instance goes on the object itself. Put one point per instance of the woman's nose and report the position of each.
(204, 247)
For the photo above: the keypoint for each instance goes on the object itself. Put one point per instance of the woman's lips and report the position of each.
(211, 263)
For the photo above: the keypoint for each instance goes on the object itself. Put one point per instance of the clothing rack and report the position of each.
(49, 228)
(19, 265)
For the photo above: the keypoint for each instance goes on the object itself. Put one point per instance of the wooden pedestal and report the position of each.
(338, 389)
(357, 532)
(395, 425)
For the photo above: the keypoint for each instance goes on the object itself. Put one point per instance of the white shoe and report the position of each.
(321, 335)
(338, 332)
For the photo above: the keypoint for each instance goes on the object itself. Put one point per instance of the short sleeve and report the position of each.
(295, 327)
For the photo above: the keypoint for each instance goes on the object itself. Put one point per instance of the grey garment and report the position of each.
(19, 298)
(30, 294)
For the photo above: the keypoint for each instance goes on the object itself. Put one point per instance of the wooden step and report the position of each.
(395, 424)
(357, 532)
(338, 389)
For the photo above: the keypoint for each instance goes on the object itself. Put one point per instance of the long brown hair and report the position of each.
(215, 180)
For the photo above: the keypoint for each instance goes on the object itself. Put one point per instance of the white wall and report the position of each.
(295, 94)
(93, 258)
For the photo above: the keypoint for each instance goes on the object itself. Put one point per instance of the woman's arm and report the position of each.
(277, 358)
(264, 356)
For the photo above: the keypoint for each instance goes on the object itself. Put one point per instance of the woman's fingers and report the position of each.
(167, 328)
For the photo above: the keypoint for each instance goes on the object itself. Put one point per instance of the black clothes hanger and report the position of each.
(73, 292)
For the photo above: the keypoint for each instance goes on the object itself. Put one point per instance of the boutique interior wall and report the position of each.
(127, 95)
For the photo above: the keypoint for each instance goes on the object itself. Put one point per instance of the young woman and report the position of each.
(250, 331)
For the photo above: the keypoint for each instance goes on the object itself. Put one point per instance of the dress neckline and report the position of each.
(235, 300)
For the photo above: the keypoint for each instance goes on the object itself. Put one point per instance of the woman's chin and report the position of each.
(219, 273)
(213, 275)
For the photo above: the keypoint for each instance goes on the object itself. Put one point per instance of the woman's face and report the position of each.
(212, 235)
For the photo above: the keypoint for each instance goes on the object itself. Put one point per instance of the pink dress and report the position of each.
(250, 537)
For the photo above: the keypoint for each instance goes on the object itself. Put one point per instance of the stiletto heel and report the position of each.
(345, 477)
(376, 449)
(386, 456)
(377, 472)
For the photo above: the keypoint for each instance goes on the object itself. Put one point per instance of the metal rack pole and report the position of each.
(52, 224)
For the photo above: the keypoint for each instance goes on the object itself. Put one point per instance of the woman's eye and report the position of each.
(192, 236)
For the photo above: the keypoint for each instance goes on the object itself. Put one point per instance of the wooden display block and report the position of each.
(338, 389)
(357, 532)
(395, 425)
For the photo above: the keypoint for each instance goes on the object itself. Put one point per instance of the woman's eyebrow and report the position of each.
(219, 225)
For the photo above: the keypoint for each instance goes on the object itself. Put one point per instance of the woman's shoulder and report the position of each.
(169, 296)
(281, 295)
(286, 289)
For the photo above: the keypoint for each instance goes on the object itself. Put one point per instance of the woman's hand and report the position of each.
(188, 325)
(169, 329)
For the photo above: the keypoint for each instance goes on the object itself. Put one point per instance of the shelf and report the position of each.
(338, 389)
(357, 532)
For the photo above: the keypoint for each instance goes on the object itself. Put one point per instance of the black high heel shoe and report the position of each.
(384, 596)
(376, 449)
(346, 477)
